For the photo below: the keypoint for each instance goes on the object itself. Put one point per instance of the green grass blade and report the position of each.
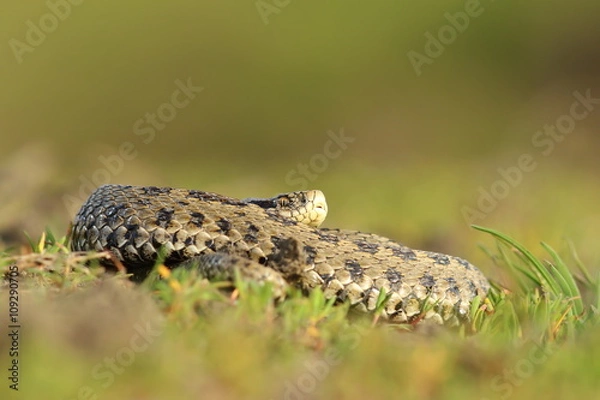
(31, 243)
(566, 278)
(551, 283)
(516, 271)
(582, 268)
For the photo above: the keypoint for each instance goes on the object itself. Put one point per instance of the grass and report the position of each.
(89, 334)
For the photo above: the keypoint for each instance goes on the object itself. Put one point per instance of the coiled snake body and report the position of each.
(275, 240)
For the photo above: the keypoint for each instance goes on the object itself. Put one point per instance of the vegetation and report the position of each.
(90, 334)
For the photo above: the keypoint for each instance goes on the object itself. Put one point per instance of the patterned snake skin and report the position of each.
(221, 235)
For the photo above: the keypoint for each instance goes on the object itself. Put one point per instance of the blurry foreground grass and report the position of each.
(86, 334)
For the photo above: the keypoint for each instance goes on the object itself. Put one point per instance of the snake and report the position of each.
(278, 241)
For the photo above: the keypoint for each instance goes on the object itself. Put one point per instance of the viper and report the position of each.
(276, 240)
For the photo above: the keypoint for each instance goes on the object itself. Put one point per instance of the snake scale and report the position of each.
(269, 240)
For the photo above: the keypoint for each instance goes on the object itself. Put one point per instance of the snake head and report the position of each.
(308, 206)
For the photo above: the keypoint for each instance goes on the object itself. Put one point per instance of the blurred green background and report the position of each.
(278, 78)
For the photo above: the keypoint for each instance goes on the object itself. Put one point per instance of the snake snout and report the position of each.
(318, 207)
